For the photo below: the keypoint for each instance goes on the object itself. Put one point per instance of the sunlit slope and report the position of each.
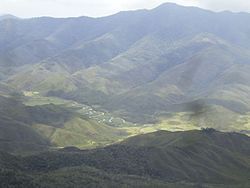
(31, 128)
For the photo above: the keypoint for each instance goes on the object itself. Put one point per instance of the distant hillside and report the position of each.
(139, 65)
(166, 159)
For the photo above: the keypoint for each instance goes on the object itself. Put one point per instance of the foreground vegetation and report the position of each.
(161, 159)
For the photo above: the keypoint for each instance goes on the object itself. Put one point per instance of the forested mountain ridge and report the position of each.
(164, 159)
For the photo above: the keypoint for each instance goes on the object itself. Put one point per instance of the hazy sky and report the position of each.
(97, 8)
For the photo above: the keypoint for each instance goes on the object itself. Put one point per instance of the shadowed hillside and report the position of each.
(180, 159)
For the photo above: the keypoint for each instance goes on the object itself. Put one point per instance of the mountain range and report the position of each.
(140, 65)
(145, 98)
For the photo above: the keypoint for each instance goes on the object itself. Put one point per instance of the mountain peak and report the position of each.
(168, 5)
(7, 16)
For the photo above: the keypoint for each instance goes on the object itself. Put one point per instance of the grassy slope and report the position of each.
(46, 120)
(16, 133)
(41, 124)
(80, 132)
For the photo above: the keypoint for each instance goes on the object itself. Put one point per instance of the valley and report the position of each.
(144, 98)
